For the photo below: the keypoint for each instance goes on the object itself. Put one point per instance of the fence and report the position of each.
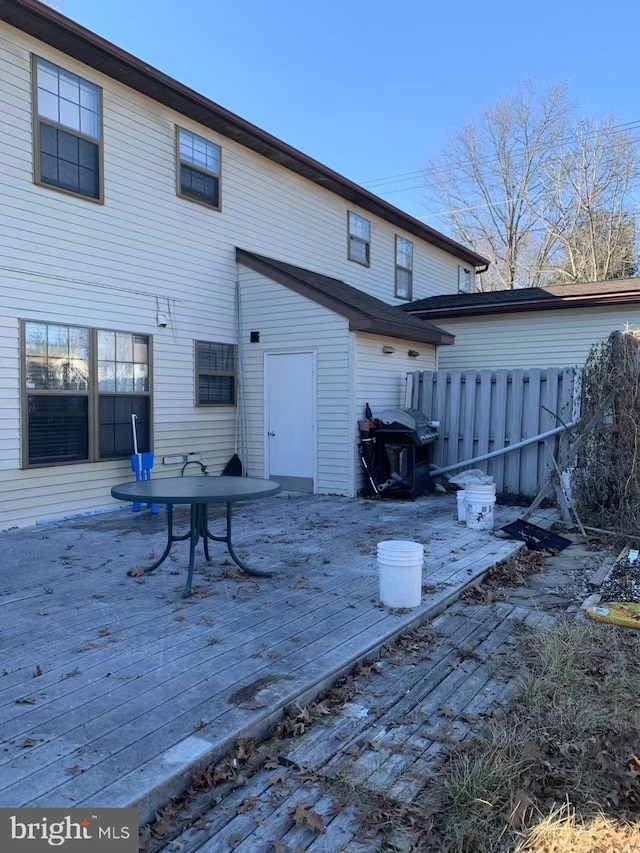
(484, 410)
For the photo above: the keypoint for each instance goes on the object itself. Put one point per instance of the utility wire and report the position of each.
(407, 176)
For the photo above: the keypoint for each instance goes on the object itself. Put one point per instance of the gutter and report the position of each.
(553, 304)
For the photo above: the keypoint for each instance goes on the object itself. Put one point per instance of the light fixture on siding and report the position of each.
(413, 353)
(387, 350)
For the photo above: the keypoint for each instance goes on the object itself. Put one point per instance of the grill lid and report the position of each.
(410, 419)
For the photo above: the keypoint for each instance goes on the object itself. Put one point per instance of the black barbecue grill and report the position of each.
(403, 445)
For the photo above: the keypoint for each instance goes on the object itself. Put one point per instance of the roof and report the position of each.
(62, 33)
(579, 295)
(364, 312)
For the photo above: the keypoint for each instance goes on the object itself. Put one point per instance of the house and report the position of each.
(553, 326)
(163, 257)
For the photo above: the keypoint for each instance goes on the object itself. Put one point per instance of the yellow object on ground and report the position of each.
(620, 613)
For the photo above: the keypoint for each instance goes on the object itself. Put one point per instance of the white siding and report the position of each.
(114, 265)
(559, 338)
(381, 379)
(286, 322)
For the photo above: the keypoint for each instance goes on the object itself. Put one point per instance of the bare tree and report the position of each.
(546, 197)
(594, 176)
(491, 181)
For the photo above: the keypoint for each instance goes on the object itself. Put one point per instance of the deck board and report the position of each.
(136, 683)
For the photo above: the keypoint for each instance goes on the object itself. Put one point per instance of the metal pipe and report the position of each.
(435, 472)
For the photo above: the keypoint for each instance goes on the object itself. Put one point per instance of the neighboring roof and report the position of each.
(594, 293)
(364, 312)
(62, 33)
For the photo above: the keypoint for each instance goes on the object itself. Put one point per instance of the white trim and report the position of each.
(352, 430)
(314, 378)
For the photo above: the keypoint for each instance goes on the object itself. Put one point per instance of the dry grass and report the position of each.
(572, 738)
(563, 832)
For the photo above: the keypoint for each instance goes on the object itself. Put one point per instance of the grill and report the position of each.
(410, 422)
(402, 453)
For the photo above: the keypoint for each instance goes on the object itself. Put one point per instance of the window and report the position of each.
(404, 267)
(359, 239)
(198, 168)
(67, 131)
(464, 280)
(215, 374)
(80, 388)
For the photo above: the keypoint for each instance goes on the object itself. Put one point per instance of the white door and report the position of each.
(290, 398)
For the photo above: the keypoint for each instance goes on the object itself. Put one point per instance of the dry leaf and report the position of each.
(303, 815)
(48, 589)
(280, 846)
(73, 771)
(43, 612)
(104, 632)
(73, 672)
(278, 777)
(234, 840)
(247, 805)
(26, 700)
(30, 741)
(446, 711)
(531, 750)
(468, 717)
(136, 572)
(520, 804)
(37, 671)
(200, 725)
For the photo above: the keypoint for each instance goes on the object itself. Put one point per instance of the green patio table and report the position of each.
(198, 493)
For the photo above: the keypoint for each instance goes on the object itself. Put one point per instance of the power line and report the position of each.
(406, 176)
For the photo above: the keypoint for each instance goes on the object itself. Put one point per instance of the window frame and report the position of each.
(462, 270)
(179, 161)
(354, 237)
(92, 393)
(198, 373)
(37, 119)
(408, 269)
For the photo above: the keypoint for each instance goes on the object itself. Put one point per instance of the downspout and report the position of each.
(240, 402)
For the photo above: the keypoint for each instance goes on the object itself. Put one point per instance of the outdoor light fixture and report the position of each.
(413, 353)
(388, 350)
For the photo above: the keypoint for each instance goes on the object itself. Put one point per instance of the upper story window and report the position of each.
(464, 280)
(359, 239)
(404, 267)
(67, 132)
(198, 168)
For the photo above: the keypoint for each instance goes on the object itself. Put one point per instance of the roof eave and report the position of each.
(556, 303)
(393, 330)
(60, 32)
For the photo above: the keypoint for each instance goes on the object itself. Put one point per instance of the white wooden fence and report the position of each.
(484, 410)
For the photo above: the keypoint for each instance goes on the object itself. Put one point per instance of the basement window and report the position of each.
(198, 168)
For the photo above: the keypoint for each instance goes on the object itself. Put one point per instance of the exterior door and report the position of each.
(290, 420)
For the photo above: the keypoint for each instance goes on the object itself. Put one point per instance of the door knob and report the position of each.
(270, 433)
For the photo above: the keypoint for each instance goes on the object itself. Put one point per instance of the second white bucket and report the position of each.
(479, 505)
(400, 566)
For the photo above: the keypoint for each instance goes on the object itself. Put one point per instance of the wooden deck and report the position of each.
(113, 690)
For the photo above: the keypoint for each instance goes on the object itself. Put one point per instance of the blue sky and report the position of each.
(372, 88)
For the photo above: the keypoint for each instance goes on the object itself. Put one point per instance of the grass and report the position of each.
(572, 738)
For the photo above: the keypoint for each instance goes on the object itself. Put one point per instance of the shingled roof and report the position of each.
(578, 295)
(365, 313)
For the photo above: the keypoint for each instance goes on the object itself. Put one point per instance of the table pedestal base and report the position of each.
(199, 529)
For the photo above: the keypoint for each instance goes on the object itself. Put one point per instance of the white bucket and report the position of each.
(479, 504)
(400, 567)
(462, 510)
